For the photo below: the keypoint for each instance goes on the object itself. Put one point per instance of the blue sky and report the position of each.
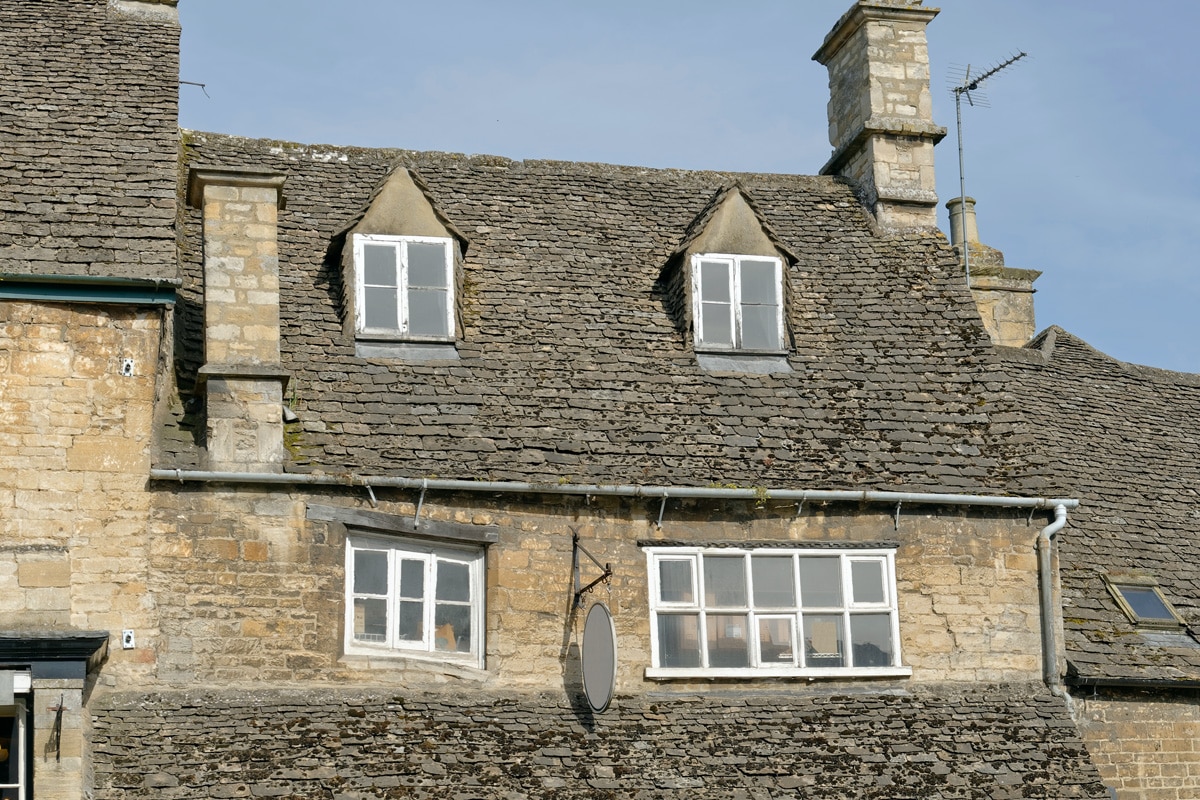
(1084, 164)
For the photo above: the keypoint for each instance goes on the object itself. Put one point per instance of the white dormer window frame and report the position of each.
(403, 289)
(740, 310)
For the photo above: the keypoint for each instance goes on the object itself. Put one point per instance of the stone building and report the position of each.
(316, 460)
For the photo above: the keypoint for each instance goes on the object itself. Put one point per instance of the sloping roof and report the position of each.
(88, 139)
(947, 742)
(1124, 439)
(571, 368)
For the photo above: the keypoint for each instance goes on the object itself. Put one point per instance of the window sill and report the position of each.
(764, 673)
(365, 659)
(750, 363)
(405, 350)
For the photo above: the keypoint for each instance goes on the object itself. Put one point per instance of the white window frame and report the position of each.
(19, 712)
(758, 669)
(400, 243)
(431, 554)
(734, 262)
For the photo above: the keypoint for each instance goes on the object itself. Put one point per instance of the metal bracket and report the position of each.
(897, 520)
(421, 500)
(662, 507)
(371, 496)
(55, 739)
(576, 549)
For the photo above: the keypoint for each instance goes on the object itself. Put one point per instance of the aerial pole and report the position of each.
(970, 84)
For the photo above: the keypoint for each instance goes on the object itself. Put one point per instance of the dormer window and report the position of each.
(737, 302)
(405, 287)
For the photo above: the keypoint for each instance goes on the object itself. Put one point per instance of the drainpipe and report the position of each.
(1046, 584)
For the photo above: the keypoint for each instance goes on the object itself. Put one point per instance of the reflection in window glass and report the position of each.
(679, 640)
(725, 581)
(728, 645)
(776, 642)
(773, 581)
(820, 582)
(866, 581)
(675, 581)
(1146, 603)
(823, 641)
(871, 639)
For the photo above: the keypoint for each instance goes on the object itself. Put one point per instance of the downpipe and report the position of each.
(1046, 600)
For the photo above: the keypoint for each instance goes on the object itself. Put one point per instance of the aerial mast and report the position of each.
(968, 85)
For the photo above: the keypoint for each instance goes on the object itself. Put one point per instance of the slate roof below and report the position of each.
(1125, 439)
(994, 742)
(570, 366)
(88, 139)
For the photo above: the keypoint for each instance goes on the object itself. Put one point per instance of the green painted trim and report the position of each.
(87, 289)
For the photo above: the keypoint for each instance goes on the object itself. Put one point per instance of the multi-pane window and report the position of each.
(777, 611)
(405, 286)
(407, 597)
(737, 302)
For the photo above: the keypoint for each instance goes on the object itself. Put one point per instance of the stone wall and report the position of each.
(950, 741)
(248, 590)
(1145, 744)
(75, 432)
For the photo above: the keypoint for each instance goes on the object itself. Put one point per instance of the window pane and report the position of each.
(1145, 602)
(427, 265)
(773, 581)
(675, 581)
(716, 324)
(866, 581)
(379, 265)
(370, 619)
(714, 282)
(820, 582)
(453, 581)
(776, 644)
(871, 638)
(725, 581)
(412, 578)
(381, 310)
(758, 283)
(823, 640)
(760, 328)
(679, 640)
(452, 628)
(427, 312)
(370, 572)
(727, 641)
(411, 625)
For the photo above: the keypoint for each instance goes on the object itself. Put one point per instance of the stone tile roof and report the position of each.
(571, 368)
(950, 742)
(88, 139)
(1124, 439)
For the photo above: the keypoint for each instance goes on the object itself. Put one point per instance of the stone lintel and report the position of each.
(398, 524)
(866, 11)
(201, 177)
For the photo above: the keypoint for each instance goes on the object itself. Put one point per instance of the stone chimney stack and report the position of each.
(1003, 294)
(242, 377)
(880, 110)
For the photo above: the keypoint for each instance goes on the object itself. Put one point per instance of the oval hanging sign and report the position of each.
(599, 656)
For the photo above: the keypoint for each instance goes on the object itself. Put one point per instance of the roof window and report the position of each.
(1142, 601)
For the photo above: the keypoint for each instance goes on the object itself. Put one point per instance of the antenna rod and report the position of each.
(969, 85)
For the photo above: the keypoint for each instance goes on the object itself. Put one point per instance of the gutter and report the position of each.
(1134, 683)
(1046, 600)
(599, 490)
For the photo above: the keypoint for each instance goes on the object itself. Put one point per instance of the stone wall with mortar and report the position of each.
(247, 589)
(1145, 744)
(75, 433)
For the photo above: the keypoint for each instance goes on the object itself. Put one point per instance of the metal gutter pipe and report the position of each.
(599, 490)
(1046, 597)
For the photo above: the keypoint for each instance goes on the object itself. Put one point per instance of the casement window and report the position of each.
(725, 612)
(405, 287)
(1142, 601)
(14, 754)
(737, 302)
(407, 597)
